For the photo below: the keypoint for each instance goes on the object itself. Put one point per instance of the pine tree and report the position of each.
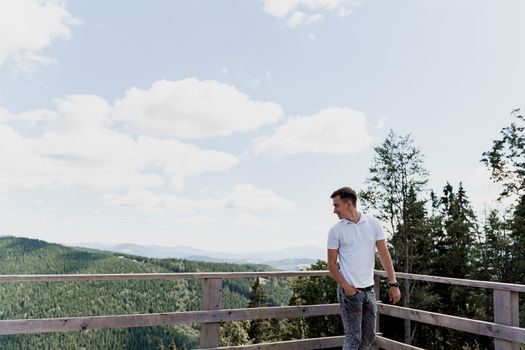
(492, 250)
(418, 234)
(517, 229)
(234, 333)
(454, 243)
(453, 257)
(506, 161)
(491, 262)
(258, 298)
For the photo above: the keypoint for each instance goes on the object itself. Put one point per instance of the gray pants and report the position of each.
(359, 318)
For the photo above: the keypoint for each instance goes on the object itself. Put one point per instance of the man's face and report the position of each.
(341, 209)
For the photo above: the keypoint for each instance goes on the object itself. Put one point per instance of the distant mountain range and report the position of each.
(293, 258)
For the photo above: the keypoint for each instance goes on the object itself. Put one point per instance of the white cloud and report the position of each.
(299, 17)
(180, 160)
(253, 222)
(329, 131)
(380, 125)
(192, 108)
(198, 220)
(31, 117)
(36, 116)
(28, 62)
(5, 115)
(81, 149)
(246, 197)
(297, 12)
(28, 26)
(149, 202)
(249, 197)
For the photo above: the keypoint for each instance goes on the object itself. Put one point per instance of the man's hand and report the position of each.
(395, 295)
(350, 291)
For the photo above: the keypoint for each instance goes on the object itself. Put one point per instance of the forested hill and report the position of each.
(60, 299)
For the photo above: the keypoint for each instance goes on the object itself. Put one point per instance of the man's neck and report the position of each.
(354, 216)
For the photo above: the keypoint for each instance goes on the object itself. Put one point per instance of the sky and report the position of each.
(225, 125)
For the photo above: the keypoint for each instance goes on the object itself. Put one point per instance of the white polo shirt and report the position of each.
(356, 243)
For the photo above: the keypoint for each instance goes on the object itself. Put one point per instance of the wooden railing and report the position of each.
(504, 329)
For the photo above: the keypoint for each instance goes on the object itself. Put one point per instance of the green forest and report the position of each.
(431, 232)
(60, 299)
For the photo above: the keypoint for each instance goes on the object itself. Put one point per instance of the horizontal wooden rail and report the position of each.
(155, 276)
(489, 329)
(44, 325)
(299, 344)
(316, 343)
(225, 275)
(511, 287)
(160, 319)
(389, 344)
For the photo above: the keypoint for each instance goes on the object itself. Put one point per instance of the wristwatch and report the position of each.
(394, 284)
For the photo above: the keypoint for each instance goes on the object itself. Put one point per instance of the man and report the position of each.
(354, 239)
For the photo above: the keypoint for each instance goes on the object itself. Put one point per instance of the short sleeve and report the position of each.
(333, 239)
(380, 233)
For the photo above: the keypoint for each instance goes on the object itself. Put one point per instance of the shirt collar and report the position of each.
(362, 219)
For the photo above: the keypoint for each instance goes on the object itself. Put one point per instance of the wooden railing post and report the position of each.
(211, 300)
(377, 291)
(506, 312)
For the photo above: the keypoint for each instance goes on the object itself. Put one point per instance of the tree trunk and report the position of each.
(406, 282)
(406, 302)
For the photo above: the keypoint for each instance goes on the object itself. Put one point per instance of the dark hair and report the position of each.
(346, 193)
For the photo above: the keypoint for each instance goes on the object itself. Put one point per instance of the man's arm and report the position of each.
(336, 275)
(386, 261)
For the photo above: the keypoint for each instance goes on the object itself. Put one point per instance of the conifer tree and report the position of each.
(454, 243)
(258, 298)
(517, 229)
(493, 249)
(506, 161)
(234, 333)
(491, 262)
(453, 257)
(419, 229)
